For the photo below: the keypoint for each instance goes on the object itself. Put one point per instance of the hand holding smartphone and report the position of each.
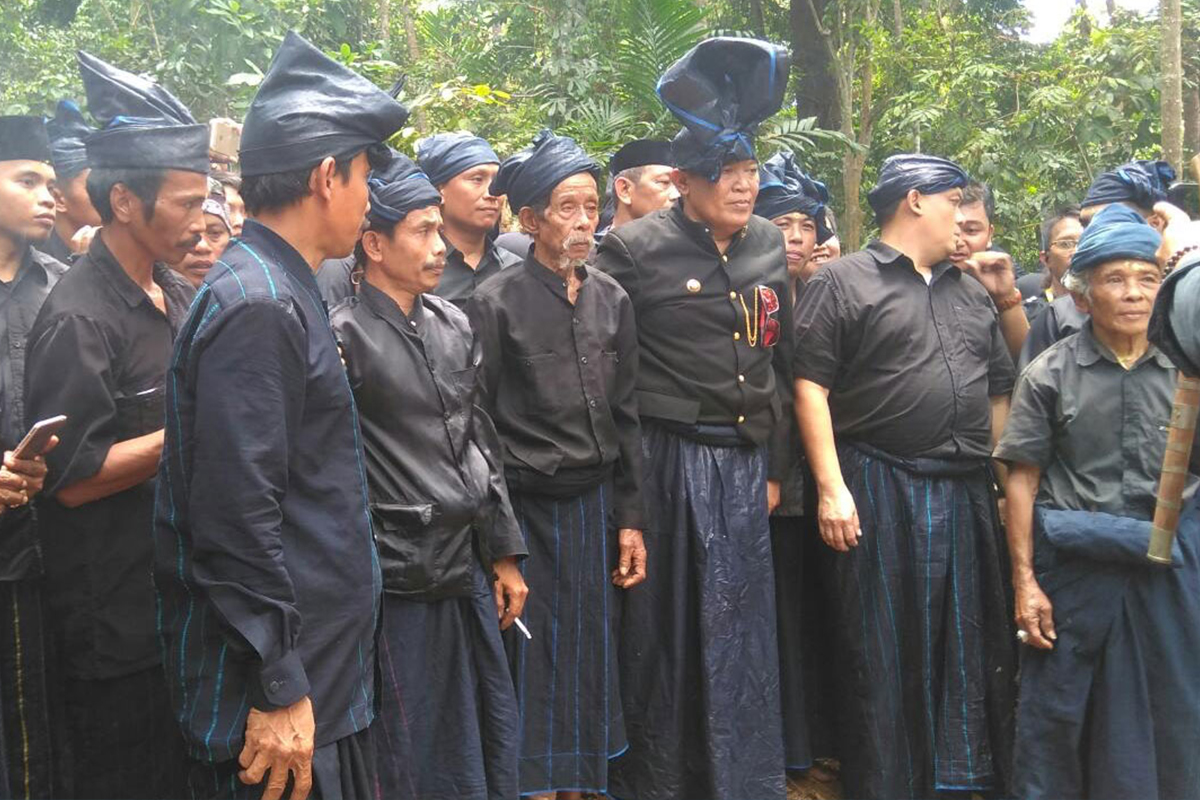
(37, 441)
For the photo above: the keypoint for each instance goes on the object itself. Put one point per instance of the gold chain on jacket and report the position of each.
(751, 335)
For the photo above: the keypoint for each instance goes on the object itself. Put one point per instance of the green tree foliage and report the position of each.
(952, 77)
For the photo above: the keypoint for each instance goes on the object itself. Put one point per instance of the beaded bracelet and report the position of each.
(1174, 260)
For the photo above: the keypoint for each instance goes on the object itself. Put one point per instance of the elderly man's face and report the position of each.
(1121, 296)
(565, 232)
(653, 190)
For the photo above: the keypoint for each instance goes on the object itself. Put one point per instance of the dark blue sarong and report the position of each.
(566, 675)
(699, 664)
(925, 644)
(447, 726)
(1113, 711)
(26, 757)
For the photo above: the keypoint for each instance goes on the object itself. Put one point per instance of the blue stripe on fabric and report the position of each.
(771, 73)
(582, 565)
(209, 313)
(927, 678)
(554, 636)
(241, 286)
(216, 700)
(233, 724)
(266, 270)
(887, 594)
(962, 658)
(203, 659)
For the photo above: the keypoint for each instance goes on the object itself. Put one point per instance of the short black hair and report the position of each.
(279, 190)
(977, 192)
(144, 182)
(386, 227)
(1050, 222)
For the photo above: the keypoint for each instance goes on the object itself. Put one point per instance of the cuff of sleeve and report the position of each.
(629, 518)
(281, 683)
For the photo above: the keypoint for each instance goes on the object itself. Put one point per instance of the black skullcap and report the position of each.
(1142, 183)
(721, 90)
(24, 139)
(142, 124)
(902, 173)
(784, 188)
(399, 188)
(445, 155)
(528, 177)
(641, 153)
(310, 107)
(68, 131)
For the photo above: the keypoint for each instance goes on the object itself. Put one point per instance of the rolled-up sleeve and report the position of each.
(249, 379)
(819, 319)
(1028, 433)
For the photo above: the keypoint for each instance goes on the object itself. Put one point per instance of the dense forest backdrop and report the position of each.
(869, 78)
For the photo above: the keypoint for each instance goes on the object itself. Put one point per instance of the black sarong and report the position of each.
(925, 639)
(699, 663)
(566, 675)
(447, 724)
(26, 760)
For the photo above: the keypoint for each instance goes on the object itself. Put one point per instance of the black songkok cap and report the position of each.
(902, 173)
(68, 132)
(784, 188)
(1142, 183)
(528, 177)
(445, 155)
(641, 153)
(24, 139)
(399, 188)
(142, 124)
(721, 90)
(309, 107)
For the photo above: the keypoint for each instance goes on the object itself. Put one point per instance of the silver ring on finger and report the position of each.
(1023, 636)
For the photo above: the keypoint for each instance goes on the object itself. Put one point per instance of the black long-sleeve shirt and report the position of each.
(559, 379)
(98, 353)
(434, 477)
(20, 300)
(714, 329)
(266, 569)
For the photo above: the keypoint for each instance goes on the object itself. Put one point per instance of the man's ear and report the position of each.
(680, 179)
(913, 201)
(529, 220)
(125, 204)
(623, 189)
(1081, 302)
(60, 200)
(320, 180)
(372, 245)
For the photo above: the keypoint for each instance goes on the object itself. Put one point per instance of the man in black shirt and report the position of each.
(73, 208)
(266, 568)
(559, 359)
(902, 379)
(708, 282)
(98, 353)
(26, 277)
(639, 183)
(462, 167)
(448, 724)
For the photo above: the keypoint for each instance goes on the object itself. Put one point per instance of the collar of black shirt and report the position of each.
(130, 292)
(454, 255)
(382, 305)
(258, 237)
(699, 231)
(887, 256)
(1089, 350)
(551, 278)
(31, 268)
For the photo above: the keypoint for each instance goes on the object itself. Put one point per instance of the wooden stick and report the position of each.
(1174, 476)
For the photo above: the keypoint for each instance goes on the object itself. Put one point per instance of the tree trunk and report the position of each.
(414, 55)
(898, 17)
(1191, 122)
(1172, 82)
(757, 23)
(816, 89)
(385, 21)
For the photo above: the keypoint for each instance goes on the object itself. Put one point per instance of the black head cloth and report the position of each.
(1142, 183)
(641, 153)
(141, 123)
(784, 188)
(309, 107)
(445, 155)
(528, 177)
(399, 188)
(24, 139)
(68, 133)
(902, 173)
(721, 90)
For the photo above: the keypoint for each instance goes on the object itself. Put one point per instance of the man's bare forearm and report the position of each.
(1021, 490)
(816, 431)
(127, 464)
(1014, 327)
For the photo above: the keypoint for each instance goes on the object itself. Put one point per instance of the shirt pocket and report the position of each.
(541, 382)
(140, 413)
(975, 330)
(407, 553)
(610, 362)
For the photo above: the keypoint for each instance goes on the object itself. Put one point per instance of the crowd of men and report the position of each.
(358, 496)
